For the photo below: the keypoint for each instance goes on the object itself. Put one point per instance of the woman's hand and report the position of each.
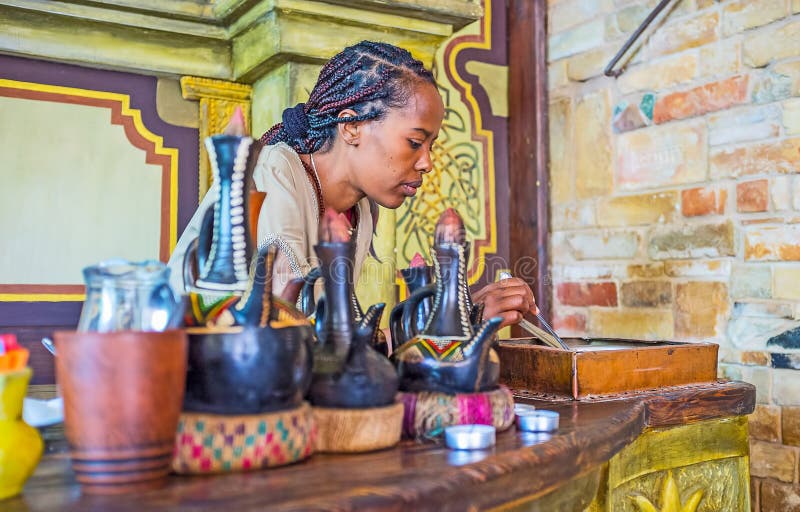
(507, 298)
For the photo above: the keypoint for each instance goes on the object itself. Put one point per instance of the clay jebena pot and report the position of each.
(249, 370)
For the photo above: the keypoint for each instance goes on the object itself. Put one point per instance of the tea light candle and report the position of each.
(469, 437)
(537, 421)
(523, 408)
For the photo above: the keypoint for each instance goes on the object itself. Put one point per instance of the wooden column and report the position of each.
(528, 144)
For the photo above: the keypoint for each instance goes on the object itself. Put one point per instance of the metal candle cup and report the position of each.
(523, 408)
(469, 437)
(537, 421)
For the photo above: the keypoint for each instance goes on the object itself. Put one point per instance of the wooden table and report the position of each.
(605, 453)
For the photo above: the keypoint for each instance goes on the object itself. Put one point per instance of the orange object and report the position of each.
(12, 356)
(14, 360)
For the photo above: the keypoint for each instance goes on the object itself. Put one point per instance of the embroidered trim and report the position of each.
(285, 248)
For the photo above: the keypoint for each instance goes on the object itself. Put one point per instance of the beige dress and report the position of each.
(289, 218)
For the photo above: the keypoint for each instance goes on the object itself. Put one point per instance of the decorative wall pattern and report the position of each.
(138, 135)
(465, 158)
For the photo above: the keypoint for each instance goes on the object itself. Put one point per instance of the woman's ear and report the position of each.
(349, 132)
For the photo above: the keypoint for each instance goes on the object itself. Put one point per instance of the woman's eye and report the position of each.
(414, 144)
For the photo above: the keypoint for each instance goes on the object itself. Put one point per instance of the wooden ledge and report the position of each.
(423, 476)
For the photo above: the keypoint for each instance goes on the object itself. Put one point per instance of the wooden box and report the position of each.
(596, 367)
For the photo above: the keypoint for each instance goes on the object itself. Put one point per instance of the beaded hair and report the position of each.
(368, 77)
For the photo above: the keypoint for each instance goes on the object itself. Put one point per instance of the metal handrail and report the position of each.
(609, 71)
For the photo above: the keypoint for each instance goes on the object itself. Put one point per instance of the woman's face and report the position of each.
(394, 153)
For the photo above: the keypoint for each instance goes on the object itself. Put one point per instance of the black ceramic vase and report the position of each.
(417, 276)
(348, 372)
(449, 354)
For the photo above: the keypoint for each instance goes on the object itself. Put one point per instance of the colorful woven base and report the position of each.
(428, 413)
(357, 430)
(211, 443)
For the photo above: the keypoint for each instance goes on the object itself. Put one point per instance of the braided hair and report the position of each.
(368, 77)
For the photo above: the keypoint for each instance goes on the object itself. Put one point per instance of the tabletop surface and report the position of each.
(416, 475)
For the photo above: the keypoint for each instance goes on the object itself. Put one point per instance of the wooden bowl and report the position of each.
(358, 430)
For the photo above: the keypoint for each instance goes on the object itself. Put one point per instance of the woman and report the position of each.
(362, 139)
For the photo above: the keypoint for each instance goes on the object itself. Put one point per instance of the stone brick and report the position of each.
(589, 64)
(779, 497)
(628, 117)
(744, 124)
(791, 116)
(767, 158)
(631, 323)
(771, 461)
(684, 34)
(698, 268)
(770, 45)
(662, 155)
(753, 332)
(790, 425)
(572, 12)
(701, 100)
(764, 309)
(557, 74)
(787, 339)
(660, 74)
(692, 241)
(562, 177)
(700, 308)
(780, 193)
(626, 20)
(593, 146)
(755, 358)
(796, 193)
(744, 14)
(789, 361)
(772, 243)
(720, 59)
(786, 387)
(571, 324)
(599, 246)
(636, 210)
(579, 39)
(787, 283)
(755, 494)
(751, 281)
(769, 86)
(760, 377)
(765, 423)
(587, 294)
(646, 270)
(752, 196)
(573, 215)
(703, 201)
(730, 371)
(646, 294)
(595, 271)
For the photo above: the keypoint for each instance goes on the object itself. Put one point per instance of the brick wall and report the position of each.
(675, 195)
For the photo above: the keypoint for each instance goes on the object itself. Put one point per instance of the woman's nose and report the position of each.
(425, 163)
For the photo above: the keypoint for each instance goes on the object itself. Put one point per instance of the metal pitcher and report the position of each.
(128, 296)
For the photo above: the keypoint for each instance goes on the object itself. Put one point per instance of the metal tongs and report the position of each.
(547, 335)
